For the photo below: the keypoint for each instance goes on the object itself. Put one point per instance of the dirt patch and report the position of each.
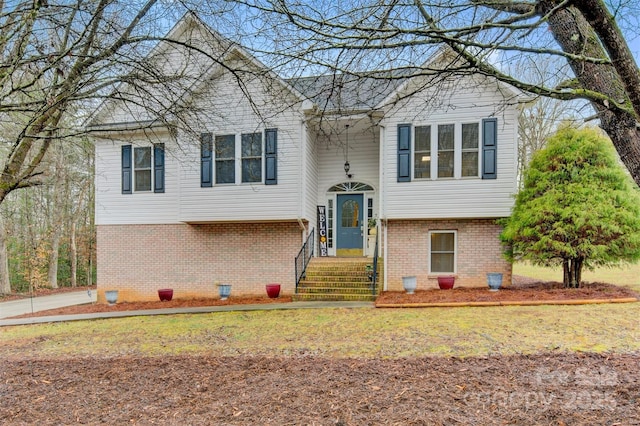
(550, 389)
(524, 289)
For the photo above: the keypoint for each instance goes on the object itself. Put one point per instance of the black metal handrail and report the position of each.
(375, 268)
(304, 256)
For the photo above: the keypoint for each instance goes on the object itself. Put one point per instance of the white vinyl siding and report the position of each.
(471, 99)
(147, 207)
(248, 201)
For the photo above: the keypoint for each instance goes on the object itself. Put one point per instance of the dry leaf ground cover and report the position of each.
(490, 365)
(552, 365)
(544, 389)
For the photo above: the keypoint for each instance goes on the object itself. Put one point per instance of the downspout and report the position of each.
(382, 203)
(303, 179)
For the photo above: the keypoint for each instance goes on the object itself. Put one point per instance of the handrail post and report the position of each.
(306, 252)
(375, 268)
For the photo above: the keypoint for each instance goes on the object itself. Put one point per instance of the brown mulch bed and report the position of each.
(522, 290)
(541, 389)
(141, 306)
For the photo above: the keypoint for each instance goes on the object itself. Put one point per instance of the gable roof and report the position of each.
(337, 93)
(348, 92)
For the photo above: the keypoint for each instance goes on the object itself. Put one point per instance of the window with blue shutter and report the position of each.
(489, 148)
(404, 152)
(158, 167)
(126, 169)
(271, 156)
(206, 160)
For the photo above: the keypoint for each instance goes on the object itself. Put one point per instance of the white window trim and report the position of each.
(134, 169)
(414, 151)
(457, 150)
(333, 197)
(479, 150)
(238, 157)
(455, 250)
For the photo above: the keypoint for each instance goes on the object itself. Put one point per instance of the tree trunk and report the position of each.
(90, 262)
(5, 282)
(576, 36)
(73, 254)
(572, 272)
(53, 258)
(566, 272)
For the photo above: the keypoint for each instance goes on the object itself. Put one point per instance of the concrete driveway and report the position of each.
(42, 303)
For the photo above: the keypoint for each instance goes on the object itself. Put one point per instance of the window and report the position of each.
(455, 150)
(446, 150)
(442, 252)
(350, 214)
(142, 168)
(251, 157)
(225, 149)
(470, 146)
(222, 156)
(422, 152)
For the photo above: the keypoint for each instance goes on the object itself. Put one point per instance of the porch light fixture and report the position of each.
(347, 166)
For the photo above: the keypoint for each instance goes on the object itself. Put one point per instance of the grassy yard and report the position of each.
(350, 333)
(339, 333)
(628, 276)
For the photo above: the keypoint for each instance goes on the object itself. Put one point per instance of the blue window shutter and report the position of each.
(404, 152)
(126, 169)
(271, 156)
(206, 160)
(489, 148)
(158, 167)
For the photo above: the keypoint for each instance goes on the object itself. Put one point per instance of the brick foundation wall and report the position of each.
(478, 245)
(137, 260)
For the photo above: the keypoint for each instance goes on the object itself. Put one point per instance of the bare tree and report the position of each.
(60, 60)
(5, 283)
(351, 37)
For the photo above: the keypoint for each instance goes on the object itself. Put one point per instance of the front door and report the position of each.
(349, 225)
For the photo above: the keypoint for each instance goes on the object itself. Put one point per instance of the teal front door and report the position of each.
(349, 225)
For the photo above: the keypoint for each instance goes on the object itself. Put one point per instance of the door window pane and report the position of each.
(350, 213)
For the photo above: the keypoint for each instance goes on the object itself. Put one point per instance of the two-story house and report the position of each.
(431, 158)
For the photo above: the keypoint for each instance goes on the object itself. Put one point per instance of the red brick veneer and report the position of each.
(479, 252)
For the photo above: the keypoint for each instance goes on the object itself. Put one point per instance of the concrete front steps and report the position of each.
(339, 278)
